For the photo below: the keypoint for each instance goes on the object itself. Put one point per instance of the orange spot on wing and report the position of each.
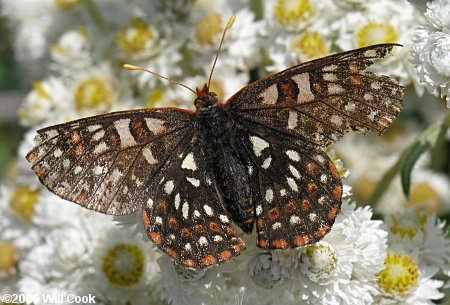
(290, 207)
(79, 149)
(384, 121)
(32, 158)
(317, 87)
(230, 231)
(189, 263)
(301, 240)
(312, 169)
(225, 255)
(199, 229)
(332, 213)
(273, 214)
(312, 189)
(40, 171)
(185, 233)
(337, 192)
(75, 137)
(145, 219)
(259, 223)
(353, 69)
(161, 206)
(333, 170)
(208, 260)
(113, 139)
(355, 80)
(137, 126)
(262, 243)
(214, 227)
(171, 253)
(279, 243)
(156, 238)
(321, 231)
(173, 224)
(306, 205)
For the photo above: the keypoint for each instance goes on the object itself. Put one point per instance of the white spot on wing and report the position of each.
(258, 210)
(335, 89)
(57, 153)
(150, 203)
(269, 195)
(329, 77)
(208, 210)
(93, 128)
(202, 241)
(196, 213)
(158, 220)
(77, 170)
(350, 107)
(294, 220)
(185, 210)
(292, 119)
(303, 83)
(100, 148)
(294, 172)
(189, 162)
(66, 163)
(123, 129)
(195, 182)
(217, 238)
(266, 163)
(224, 219)
(276, 225)
(292, 184)
(147, 153)
(336, 120)
(293, 155)
(115, 175)
(168, 187)
(312, 216)
(155, 125)
(177, 201)
(98, 135)
(97, 170)
(269, 95)
(258, 145)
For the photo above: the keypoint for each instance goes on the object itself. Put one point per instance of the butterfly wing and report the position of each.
(185, 216)
(284, 121)
(105, 162)
(319, 101)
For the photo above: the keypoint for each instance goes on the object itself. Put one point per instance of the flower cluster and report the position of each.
(431, 48)
(73, 51)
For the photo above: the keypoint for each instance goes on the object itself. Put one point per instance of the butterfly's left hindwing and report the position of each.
(105, 163)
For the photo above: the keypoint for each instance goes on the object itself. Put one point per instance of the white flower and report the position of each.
(71, 52)
(438, 14)
(382, 22)
(180, 286)
(431, 56)
(404, 282)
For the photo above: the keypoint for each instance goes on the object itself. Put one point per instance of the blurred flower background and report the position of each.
(62, 59)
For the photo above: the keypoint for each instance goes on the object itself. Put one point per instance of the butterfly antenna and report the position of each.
(132, 67)
(229, 24)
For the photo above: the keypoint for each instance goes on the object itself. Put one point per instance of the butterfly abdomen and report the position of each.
(216, 127)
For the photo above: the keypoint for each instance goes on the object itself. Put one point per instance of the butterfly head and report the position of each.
(205, 98)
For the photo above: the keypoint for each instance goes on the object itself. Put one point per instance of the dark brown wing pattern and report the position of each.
(285, 121)
(105, 163)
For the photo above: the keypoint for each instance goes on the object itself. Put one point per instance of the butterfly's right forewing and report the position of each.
(106, 163)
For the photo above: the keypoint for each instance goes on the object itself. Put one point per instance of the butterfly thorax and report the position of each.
(215, 124)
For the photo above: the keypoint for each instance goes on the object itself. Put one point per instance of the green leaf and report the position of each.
(408, 163)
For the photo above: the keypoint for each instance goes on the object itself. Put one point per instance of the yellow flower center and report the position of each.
(208, 29)
(310, 45)
(322, 260)
(424, 198)
(135, 38)
(374, 33)
(400, 275)
(22, 202)
(123, 264)
(66, 4)
(8, 259)
(94, 94)
(291, 12)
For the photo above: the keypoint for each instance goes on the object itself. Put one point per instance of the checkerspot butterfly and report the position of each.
(256, 160)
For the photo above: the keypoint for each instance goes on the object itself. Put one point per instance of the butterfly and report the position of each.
(256, 160)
